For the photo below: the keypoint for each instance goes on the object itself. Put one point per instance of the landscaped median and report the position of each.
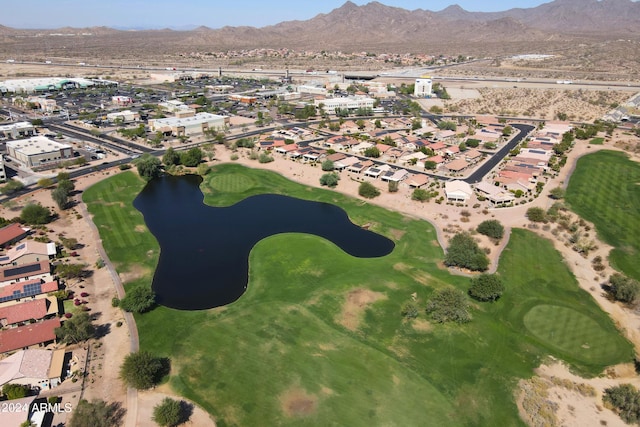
(318, 337)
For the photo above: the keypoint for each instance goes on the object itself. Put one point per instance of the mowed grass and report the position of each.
(571, 332)
(597, 141)
(605, 189)
(318, 339)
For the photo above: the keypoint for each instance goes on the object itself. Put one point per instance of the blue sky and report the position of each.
(212, 13)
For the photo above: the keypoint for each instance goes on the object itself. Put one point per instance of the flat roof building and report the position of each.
(423, 87)
(39, 150)
(50, 83)
(350, 103)
(17, 130)
(197, 124)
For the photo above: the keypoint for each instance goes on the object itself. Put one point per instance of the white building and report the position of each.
(50, 83)
(3, 173)
(38, 150)
(197, 124)
(350, 103)
(423, 87)
(457, 191)
(315, 90)
(17, 130)
(126, 116)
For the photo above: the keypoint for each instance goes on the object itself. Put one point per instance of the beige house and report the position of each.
(36, 368)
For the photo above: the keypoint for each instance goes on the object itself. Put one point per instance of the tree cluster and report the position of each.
(35, 214)
(486, 287)
(330, 179)
(463, 251)
(141, 370)
(148, 167)
(77, 329)
(12, 186)
(491, 228)
(63, 191)
(139, 300)
(15, 391)
(449, 305)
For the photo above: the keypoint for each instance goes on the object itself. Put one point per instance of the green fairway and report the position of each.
(571, 332)
(605, 189)
(318, 339)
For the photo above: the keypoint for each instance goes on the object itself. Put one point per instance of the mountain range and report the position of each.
(377, 27)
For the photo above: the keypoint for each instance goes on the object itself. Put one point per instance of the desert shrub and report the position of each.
(368, 190)
(624, 289)
(625, 400)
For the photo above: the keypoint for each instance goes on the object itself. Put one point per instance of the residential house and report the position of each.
(28, 289)
(34, 334)
(472, 155)
(29, 252)
(494, 194)
(28, 312)
(395, 175)
(457, 191)
(37, 368)
(12, 233)
(377, 170)
(457, 165)
(417, 180)
(360, 166)
(22, 273)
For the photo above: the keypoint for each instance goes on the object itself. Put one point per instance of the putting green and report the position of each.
(571, 332)
(231, 183)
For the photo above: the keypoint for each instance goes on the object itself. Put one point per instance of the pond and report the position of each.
(204, 250)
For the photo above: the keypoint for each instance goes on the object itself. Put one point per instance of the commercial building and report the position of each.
(197, 124)
(126, 116)
(17, 130)
(350, 103)
(38, 151)
(50, 84)
(423, 87)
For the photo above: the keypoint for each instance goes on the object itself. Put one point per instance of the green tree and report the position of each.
(139, 299)
(430, 165)
(170, 413)
(409, 310)
(97, 413)
(35, 214)
(625, 400)
(624, 289)
(15, 391)
(330, 179)
(192, 157)
(171, 157)
(393, 186)
(507, 130)
(463, 251)
(448, 305)
(420, 195)
(368, 190)
(77, 329)
(11, 187)
(328, 165)
(203, 169)
(71, 271)
(557, 193)
(492, 228)
(45, 182)
(372, 152)
(486, 287)
(141, 370)
(536, 214)
(447, 125)
(148, 167)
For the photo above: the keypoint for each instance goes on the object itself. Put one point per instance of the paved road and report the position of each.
(479, 173)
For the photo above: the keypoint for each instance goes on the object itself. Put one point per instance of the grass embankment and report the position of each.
(605, 189)
(318, 339)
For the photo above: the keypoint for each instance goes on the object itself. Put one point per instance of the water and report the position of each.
(205, 250)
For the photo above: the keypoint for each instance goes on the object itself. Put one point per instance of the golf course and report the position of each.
(318, 338)
(610, 199)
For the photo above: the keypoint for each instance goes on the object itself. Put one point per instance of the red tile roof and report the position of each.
(26, 336)
(11, 232)
(34, 309)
